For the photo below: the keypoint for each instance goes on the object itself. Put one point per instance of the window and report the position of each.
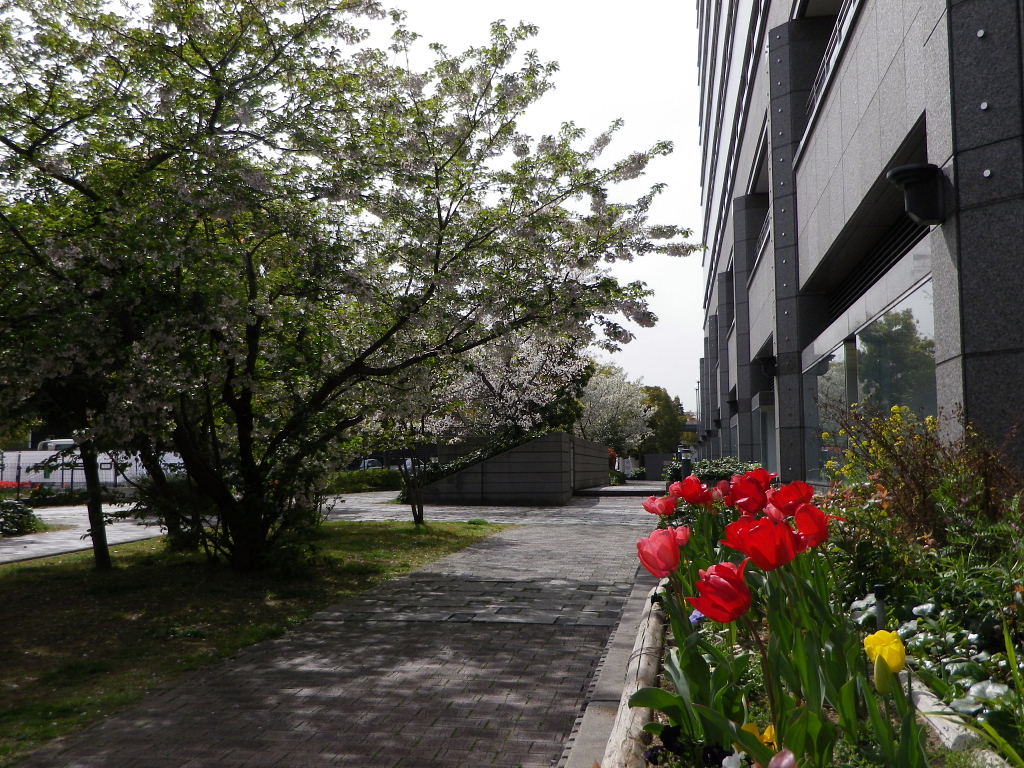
(889, 361)
(896, 356)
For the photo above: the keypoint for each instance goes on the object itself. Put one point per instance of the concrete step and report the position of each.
(639, 488)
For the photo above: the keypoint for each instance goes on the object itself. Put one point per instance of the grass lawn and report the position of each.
(76, 645)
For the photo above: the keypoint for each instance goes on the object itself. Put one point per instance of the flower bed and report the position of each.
(772, 666)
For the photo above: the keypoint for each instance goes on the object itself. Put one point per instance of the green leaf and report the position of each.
(967, 705)
(846, 708)
(912, 742)
(934, 682)
(811, 733)
(988, 689)
(663, 701)
(654, 728)
(879, 724)
(1011, 659)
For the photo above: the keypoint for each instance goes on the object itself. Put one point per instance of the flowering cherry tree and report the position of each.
(241, 225)
(615, 410)
(513, 386)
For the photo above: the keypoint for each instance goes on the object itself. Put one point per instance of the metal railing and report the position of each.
(765, 234)
(847, 13)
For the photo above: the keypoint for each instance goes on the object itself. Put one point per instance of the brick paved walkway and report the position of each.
(482, 659)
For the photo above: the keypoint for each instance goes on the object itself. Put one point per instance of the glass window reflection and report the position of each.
(896, 357)
(891, 361)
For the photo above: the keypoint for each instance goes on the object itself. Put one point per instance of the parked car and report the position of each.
(369, 464)
(413, 463)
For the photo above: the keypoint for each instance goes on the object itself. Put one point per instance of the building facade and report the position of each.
(863, 189)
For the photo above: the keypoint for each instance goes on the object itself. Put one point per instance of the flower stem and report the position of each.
(766, 670)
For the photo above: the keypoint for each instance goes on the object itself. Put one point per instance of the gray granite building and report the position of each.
(863, 188)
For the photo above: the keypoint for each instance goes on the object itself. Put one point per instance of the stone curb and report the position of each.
(948, 727)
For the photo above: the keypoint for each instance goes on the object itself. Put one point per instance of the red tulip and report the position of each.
(682, 535)
(762, 477)
(769, 543)
(724, 595)
(659, 552)
(747, 495)
(790, 496)
(691, 490)
(721, 492)
(736, 533)
(664, 505)
(812, 524)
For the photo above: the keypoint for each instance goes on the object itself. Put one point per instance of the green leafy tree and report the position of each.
(14, 434)
(896, 364)
(246, 231)
(667, 422)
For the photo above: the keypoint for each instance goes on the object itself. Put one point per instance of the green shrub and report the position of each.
(358, 480)
(17, 519)
(179, 508)
(930, 487)
(49, 496)
(616, 478)
(672, 471)
(711, 471)
(638, 473)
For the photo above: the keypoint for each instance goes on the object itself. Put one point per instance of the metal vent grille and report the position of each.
(895, 244)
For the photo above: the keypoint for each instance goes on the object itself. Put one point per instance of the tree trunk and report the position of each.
(411, 477)
(170, 512)
(97, 526)
(247, 534)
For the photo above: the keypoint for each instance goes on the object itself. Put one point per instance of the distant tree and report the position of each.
(14, 433)
(667, 422)
(615, 410)
(253, 240)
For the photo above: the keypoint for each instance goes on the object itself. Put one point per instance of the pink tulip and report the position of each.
(659, 552)
(783, 759)
(664, 505)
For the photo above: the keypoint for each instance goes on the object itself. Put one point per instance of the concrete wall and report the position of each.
(654, 463)
(544, 471)
(910, 82)
(590, 463)
(894, 71)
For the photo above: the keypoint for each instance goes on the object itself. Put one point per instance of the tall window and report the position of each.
(896, 356)
(889, 361)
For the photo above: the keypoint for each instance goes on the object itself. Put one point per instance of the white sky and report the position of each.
(637, 61)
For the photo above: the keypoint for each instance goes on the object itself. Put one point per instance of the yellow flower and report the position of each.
(767, 738)
(887, 646)
(826, 436)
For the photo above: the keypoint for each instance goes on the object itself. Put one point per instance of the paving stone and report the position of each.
(483, 658)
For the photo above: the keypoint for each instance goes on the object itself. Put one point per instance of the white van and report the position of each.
(55, 445)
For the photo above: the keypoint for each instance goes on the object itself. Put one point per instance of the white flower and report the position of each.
(735, 760)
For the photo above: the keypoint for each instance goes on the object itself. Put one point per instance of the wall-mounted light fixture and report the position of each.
(923, 186)
(768, 365)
